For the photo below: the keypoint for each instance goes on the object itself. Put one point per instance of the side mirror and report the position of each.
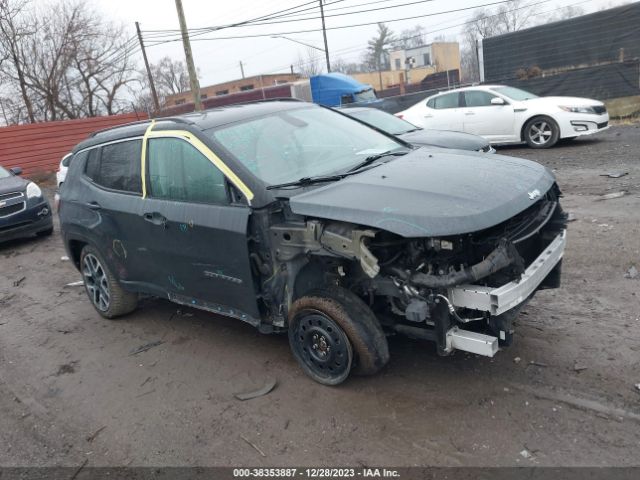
(16, 171)
(497, 101)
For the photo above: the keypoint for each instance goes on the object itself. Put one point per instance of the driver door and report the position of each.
(481, 117)
(196, 238)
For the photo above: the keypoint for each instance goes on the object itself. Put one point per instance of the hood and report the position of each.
(12, 183)
(429, 193)
(568, 101)
(445, 139)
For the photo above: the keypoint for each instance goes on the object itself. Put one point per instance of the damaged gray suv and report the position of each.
(293, 217)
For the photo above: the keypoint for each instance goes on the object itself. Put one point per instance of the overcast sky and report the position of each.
(218, 60)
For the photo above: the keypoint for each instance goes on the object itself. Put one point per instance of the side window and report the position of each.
(431, 103)
(120, 166)
(347, 98)
(67, 160)
(449, 100)
(92, 167)
(178, 171)
(475, 98)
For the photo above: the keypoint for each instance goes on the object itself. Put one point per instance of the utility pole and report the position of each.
(324, 34)
(241, 69)
(152, 85)
(193, 78)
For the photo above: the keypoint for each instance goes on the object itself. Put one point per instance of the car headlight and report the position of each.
(33, 191)
(578, 109)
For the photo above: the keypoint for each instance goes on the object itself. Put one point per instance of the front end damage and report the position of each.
(461, 291)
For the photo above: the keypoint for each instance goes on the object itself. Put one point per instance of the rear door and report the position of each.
(443, 113)
(196, 236)
(481, 117)
(111, 207)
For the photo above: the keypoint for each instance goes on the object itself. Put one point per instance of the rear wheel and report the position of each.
(103, 289)
(541, 132)
(331, 332)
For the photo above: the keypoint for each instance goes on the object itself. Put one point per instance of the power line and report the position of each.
(307, 18)
(346, 26)
(201, 30)
(431, 31)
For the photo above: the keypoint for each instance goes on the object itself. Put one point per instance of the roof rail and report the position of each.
(142, 122)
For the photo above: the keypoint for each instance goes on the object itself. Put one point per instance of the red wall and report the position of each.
(39, 147)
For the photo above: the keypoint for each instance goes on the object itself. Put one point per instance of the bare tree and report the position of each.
(309, 66)
(508, 17)
(514, 15)
(13, 29)
(411, 38)
(570, 11)
(170, 76)
(342, 66)
(69, 62)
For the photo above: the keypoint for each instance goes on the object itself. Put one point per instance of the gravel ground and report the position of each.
(71, 390)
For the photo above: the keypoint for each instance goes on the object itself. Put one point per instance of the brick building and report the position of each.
(241, 85)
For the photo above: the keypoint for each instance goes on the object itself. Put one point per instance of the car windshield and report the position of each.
(514, 93)
(367, 95)
(302, 142)
(4, 173)
(382, 120)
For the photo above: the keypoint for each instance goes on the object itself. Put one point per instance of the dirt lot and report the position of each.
(71, 389)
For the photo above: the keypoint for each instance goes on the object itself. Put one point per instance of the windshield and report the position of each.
(4, 173)
(514, 93)
(365, 95)
(304, 142)
(382, 120)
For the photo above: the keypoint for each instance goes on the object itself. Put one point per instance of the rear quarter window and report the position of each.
(116, 166)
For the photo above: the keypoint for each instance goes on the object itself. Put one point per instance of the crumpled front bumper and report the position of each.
(501, 299)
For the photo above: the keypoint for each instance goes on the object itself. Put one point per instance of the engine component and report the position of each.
(503, 255)
(417, 311)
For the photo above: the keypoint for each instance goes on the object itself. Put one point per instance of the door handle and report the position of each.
(469, 113)
(428, 116)
(93, 205)
(156, 218)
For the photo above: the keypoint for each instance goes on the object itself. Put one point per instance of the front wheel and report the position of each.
(541, 132)
(331, 332)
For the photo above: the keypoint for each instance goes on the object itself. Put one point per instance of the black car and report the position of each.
(293, 217)
(24, 211)
(419, 136)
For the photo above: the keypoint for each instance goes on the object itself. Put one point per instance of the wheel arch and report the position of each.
(75, 250)
(538, 115)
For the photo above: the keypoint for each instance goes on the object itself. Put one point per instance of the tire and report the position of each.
(541, 132)
(103, 289)
(45, 233)
(338, 319)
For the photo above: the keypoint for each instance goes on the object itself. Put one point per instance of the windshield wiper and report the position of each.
(409, 131)
(304, 181)
(369, 160)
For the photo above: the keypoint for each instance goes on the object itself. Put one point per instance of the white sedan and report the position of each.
(61, 174)
(503, 114)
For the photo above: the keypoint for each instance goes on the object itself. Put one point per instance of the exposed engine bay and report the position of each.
(418, 287)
